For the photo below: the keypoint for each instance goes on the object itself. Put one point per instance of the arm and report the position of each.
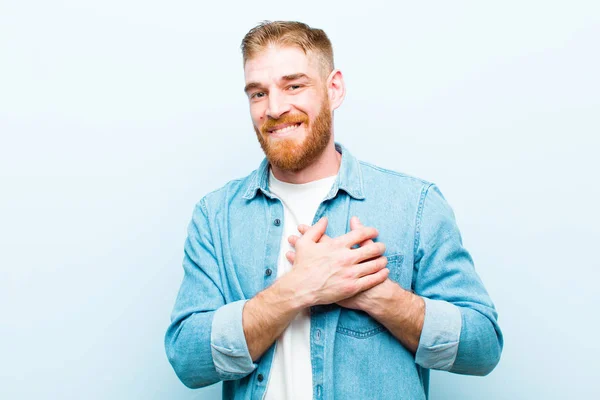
(460, 329)
(205, 341)
(266, 316)
(323, 273)
(210, 340)
(450, 323)
(399, 310)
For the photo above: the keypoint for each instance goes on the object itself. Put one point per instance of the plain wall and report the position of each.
(116, 117)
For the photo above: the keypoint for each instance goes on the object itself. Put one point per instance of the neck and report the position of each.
(328, 164)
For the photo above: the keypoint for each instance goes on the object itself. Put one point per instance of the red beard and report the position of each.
(286, 153)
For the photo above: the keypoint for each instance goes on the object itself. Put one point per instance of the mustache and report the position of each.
(286, 119)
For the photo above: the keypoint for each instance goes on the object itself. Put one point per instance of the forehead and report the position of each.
(276, 61)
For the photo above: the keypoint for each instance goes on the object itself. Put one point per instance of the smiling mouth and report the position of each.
(285, 130)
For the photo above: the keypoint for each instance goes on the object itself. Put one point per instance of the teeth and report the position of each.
(286, 129)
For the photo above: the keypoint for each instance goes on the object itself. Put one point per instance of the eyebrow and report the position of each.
(285, 78)
(251, 86)
(294, 77)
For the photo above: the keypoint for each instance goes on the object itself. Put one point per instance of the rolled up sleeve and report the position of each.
(205, 341)
(460, 331)
(228, 343)
(440, 335)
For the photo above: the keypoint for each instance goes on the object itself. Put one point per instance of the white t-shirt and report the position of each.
(291, 372)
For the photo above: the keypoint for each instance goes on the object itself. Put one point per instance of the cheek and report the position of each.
(310, 105)
(257, 114)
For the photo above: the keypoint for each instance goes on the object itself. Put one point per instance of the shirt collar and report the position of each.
(349, 178)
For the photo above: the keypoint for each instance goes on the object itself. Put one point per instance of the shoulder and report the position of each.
(390, 179)
(233, 190)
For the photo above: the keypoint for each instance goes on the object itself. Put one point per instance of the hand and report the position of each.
(366, 300)
(399, 310)
(327, 270)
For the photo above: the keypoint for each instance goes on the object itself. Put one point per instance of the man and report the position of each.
(320, 276)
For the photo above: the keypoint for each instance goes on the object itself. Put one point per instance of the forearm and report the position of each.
(266, 316)
(402, 313)
(442, 335)
(460, 330)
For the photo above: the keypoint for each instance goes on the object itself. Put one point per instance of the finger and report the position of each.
(325, 239)
(370, 267)
(315, 232)
(291, 256)
(368, 281)
(357, 236)
(292, 239)
(371, 250)
(355, 224)
(302, 228)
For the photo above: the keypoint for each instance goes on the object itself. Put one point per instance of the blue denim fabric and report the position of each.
(234, 238)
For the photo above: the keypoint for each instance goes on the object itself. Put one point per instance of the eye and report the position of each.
(257, 95)
(294, 87)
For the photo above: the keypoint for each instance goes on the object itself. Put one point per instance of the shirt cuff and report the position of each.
(228, 343)
(438, 345)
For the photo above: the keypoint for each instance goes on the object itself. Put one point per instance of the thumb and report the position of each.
(315, 232)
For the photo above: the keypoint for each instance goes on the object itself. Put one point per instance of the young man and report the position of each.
(319, 276)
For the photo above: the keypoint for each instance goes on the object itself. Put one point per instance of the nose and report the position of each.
(277, 106)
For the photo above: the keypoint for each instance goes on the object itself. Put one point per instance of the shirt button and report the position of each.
(277, 222)
(260, 377)
(268, 272)
(319, 390)
(318, 334)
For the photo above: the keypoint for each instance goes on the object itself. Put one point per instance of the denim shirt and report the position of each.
(231, 254)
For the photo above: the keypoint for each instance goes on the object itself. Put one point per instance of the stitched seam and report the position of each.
(391, 172)
(357, 334)
(212, 241)
(229, 375)
(205, 212)
(419, 216)
(233, 353)
(396, 258)
(458, 341)
(225, 186)
(360, 179)
(204, 209)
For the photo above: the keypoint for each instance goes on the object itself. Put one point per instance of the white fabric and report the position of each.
(291, 372)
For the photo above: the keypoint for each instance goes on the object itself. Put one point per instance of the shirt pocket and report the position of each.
(359, 324)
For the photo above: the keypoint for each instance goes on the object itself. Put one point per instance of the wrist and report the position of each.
(394, 303)
(284, 295)
(411, 309)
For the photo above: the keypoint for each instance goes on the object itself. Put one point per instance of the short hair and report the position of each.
(289, 33)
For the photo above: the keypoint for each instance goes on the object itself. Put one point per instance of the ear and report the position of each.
(336, 89)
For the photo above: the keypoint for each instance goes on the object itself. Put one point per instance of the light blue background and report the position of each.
(117, 116)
